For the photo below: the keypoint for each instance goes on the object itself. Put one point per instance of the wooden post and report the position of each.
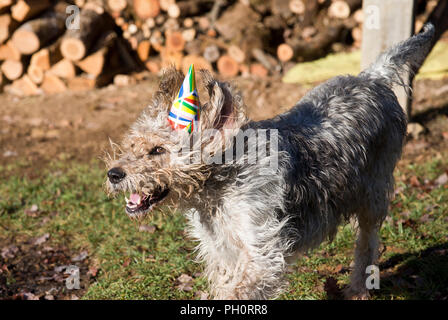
(386, 23)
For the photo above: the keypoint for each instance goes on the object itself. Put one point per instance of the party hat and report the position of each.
(184, 113)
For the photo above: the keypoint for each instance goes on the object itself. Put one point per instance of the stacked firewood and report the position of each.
(47, 47)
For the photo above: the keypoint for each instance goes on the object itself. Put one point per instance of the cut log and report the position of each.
(174, 41)
(308, 32)
(12, 69)
(173, 11)
(236, 53)
(117, 5)
(268, 61)
(194, 47)
(35, 73)
(123, 80)
(171, 58)
(133, 42)
(52, 84)
(47, 57)
(153, 65)
(211, 53)
(216, 10)
(188, 22)
(204, 23)
(339, 9)
(95, 5)
(189, 8)
(88, 81)
(5, 4)
(94, 63)
(235, 20)
(171, 24)
(359, 16)
(26, 9)
(3, 81)
(143, 50)
(211, 33)
(254, 37)
(227, 66)
(315, 47)
(64, 69)
(150, 22)
(7, 27)
(357, 34)
(281, 8)
(160, 19)
(244, 70)
(157, 40)
(189, 34)
(132, 29)
(297, 6)
(164, 4)
(81, 83)
(257, 69)
(275, 22)
(146, 31)
(35, 34)
(9, 52)
(80, 3)
(198, 61)
(23, 87)
(145, 9)
(285, 52)
(76, 43)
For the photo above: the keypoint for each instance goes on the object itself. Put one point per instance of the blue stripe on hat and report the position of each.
(175, 116)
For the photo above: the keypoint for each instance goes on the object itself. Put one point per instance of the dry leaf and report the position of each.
(80, 257)
(185, 282)
(147, 228)
(39, 240)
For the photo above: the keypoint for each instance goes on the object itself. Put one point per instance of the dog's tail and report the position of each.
(405, 57)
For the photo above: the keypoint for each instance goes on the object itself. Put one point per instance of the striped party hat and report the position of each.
(184, 113)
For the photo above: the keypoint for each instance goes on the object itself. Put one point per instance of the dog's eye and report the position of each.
(156, 151)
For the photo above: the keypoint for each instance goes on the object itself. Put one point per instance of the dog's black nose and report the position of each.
(116, 175)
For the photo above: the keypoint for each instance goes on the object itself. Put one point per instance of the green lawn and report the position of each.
(132, 264)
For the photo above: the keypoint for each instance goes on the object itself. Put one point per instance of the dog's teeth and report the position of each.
(127, 200)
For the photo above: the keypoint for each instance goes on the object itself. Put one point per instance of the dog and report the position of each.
(334, 154)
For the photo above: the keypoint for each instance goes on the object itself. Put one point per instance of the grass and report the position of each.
(435, 66)
(139, 265)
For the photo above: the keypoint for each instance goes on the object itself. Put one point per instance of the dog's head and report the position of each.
(155, 163)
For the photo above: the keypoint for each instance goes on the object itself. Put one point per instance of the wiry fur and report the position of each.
(337, 151)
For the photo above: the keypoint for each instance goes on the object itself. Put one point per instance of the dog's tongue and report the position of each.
(135, 198)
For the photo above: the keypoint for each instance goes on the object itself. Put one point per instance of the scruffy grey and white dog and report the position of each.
(335, 152)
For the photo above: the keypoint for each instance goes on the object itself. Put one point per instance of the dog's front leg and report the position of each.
(244, 260)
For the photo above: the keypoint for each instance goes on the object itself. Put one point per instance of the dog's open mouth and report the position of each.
(139, 205)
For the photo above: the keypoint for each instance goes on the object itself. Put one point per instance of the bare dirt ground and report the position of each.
(78, 125)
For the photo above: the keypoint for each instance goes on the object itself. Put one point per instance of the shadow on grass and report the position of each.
(419, 275)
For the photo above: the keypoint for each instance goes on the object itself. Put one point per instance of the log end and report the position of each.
(227, 66)
(12, 69)
(25, 41)
(36, 74)
(285, 52)
(73, 49)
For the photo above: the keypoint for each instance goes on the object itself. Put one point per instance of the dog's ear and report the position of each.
(168, 88)
(225, 108)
